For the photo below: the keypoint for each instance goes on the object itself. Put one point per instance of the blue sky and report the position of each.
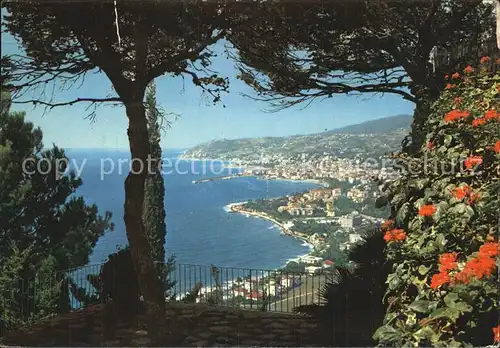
(199, 120)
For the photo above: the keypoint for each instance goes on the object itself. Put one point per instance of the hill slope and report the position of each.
(382, 125)
(368, 139)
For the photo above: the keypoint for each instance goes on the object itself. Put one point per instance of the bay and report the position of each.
(199, 229)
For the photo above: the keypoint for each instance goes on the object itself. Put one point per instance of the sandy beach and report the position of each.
(231, 209)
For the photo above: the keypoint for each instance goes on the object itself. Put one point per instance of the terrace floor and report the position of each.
(189, 325)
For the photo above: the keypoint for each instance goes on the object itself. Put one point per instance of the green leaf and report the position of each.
(381, 202)
(430, 193)
(454, 302)
(419, 183)
(403, 213)
(422, 306)
(445, 312)
(398, 198)
(393, 281)
(447, 140)
(463, 210)
(441, 240)
(387, 334)
(451, 298)
(415, 225)
(442, 208)
(423, 270)
(426, 333)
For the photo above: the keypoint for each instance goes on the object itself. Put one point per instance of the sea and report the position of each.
(200, 230)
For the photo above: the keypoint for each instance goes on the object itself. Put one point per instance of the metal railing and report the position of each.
(29, 300)
(266, 290)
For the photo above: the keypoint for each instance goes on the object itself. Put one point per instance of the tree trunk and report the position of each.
(149, 282)
(418, 128)
(497, 10)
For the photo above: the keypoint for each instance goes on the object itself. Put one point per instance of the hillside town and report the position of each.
(330, 220)
(319, 167)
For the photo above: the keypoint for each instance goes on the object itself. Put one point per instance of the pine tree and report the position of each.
(44, 227)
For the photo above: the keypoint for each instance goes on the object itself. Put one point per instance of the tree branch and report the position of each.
(184, 55)
(71, 102)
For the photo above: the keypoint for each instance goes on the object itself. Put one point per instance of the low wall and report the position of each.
(189, 325)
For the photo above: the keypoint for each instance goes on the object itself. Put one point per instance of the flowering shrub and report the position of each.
(443, 289)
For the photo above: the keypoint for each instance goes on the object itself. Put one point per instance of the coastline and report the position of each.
(225, 164)
(311, 181)
(231, 165)
(230, 208)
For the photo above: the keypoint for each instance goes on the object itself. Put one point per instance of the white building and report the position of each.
(350, 221)
(308, 259)
(313, 269)
(344, 246)
(354, 238)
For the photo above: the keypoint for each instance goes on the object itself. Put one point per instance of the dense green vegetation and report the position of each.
(311, 227)
(353, 295)
(343, 185)
(344, 205)
(44, 226)
(154, 216)
(270, 207)
(444, 238)
(294, 267)
(368, 207)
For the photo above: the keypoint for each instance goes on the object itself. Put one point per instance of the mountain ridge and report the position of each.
(375, 126)
(365, 127)
(374, 137)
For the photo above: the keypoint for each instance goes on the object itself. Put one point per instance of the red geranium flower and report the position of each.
(473, 198)
(439, 280)
(427, 210)
(466, 191)
(455, 115)
(491, 114)
(473, 161)
(430, 145)
(484, 60)
(395, 234)
(479, 267)
(461, 277)
(468, 69)
(496, 147)
(387, 236)
(462, 191)
(400, 235)
(448, 262)
(455, 76)
(478, 122)
(496, 334)
(488, 250)
(388, 224)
